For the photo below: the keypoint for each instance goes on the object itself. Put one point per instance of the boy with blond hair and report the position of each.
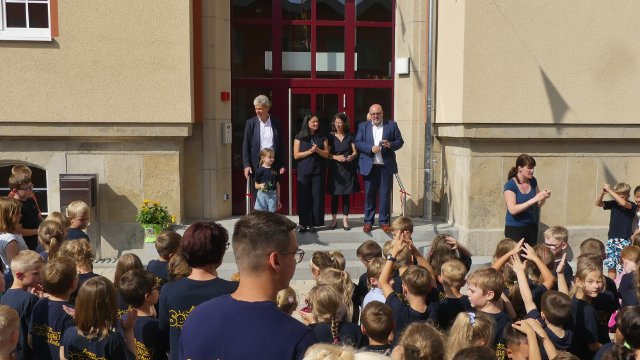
(452, 274)
(556, 238)
(79, 215)
(22, 190)
(377, 325)
(367, 251)
(485, 287)
(417, 282)
(25, 267)
(620, 222)
(373, 274)
(9, 332)
(49, 320)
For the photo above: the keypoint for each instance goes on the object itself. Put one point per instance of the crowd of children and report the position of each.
(528, 304)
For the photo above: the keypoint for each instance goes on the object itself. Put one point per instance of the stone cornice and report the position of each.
(93, 130)
(538, 131)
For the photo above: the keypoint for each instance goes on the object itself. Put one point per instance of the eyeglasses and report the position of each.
(299, 254)
(552, 246)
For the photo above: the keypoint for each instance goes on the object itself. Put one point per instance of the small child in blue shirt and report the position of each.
(167, 244)
(620, 223)
(267, 182)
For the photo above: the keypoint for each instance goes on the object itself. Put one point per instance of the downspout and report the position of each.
(428, 132)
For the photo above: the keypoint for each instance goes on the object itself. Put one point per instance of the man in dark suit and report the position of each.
(377, 140)
(260, 132)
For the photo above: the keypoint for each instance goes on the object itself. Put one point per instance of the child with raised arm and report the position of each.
(554, 314)
(26, 268)
(417, 281)
(485, 287)
(521, 341)
(452, 274)
(620, 221)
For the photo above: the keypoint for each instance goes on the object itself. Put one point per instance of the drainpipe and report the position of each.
(428, 132)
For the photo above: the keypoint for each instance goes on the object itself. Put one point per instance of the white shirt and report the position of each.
(377, 137)
(375, 294)
(6, 239)
(266, 134)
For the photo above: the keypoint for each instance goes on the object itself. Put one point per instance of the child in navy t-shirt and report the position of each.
(452, 274)
(26, 267)
(94, 337)
(139, 289)
(167, 244)
(49, 320)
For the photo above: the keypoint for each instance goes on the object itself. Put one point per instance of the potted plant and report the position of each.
(154, 218)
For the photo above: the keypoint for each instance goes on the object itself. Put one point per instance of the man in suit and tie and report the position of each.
(262, 131)
(377, 140)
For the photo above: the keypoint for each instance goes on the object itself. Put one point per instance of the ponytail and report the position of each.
(335, 330)
(54, 246)
(512, 173)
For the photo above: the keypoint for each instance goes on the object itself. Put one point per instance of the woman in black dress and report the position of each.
(343, 180)
(310, 149)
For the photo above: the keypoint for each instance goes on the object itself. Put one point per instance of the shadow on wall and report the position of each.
(119, 228)
(559, 107)
(442, 204)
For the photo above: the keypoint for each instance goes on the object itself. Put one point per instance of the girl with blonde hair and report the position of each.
(328, 318)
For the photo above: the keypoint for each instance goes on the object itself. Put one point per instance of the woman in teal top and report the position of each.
(523, 199)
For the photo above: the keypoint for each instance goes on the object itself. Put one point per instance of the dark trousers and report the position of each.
(379, 181)
(346, 203)
(311, 199)
(529, 233)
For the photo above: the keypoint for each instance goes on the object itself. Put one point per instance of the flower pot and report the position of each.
(151, 231)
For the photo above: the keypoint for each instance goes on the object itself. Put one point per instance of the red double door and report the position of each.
(325, 103)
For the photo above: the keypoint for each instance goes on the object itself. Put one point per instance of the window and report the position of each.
(25, 20)
(38, 179)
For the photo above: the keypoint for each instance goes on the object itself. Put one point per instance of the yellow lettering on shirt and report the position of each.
(84, 355)
(501, 352)
(143, 352)
(43, 330)
(177, 317)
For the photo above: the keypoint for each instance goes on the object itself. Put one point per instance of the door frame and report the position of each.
(346, 106)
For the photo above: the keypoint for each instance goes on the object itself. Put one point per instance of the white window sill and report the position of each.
(23, 36)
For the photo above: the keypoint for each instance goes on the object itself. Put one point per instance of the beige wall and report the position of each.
(207, 160)
(112, 96)
(410, 102)
(545, 78)
(115, 61)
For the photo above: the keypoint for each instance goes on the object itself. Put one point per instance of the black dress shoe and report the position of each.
(333, 226)
(302, 229)
(346, 228)
(311, 229)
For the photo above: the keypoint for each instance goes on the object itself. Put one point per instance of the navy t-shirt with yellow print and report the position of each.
(48, 324)
(111, 346)
(179, 298)
(151, 344)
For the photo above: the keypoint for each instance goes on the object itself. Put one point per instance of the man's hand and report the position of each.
(386, 144)
(375, 149)
(247, 171)
(282, 170)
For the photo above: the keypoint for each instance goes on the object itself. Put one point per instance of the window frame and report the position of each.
(24, 34)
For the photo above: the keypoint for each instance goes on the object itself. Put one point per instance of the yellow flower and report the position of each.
(146, 201)
(173, 219)
(156, 203)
